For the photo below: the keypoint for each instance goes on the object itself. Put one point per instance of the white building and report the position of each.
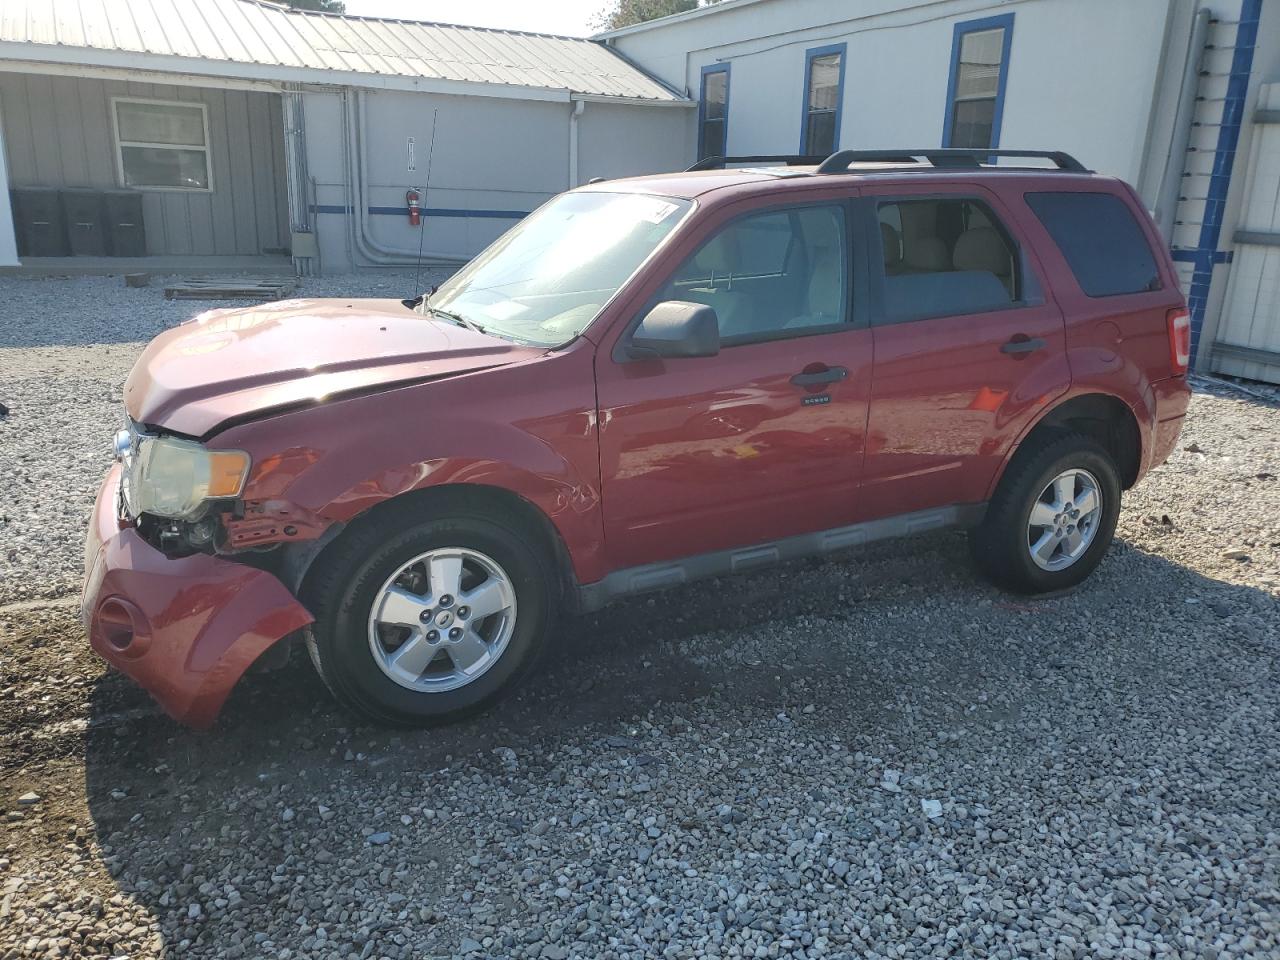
(245, 130)
(247, 133)
(1180, 98)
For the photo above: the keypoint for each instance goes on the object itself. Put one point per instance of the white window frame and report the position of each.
(121, 144)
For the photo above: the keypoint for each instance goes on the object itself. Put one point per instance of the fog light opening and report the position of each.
(116, 625)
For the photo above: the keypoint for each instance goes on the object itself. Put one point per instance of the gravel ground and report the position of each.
(873, 756)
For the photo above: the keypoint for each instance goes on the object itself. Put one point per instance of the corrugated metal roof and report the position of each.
(267, 36)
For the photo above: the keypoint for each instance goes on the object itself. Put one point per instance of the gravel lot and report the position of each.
(873, 756)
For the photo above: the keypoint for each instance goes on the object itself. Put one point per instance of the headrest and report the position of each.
(719, 256)
(821, 229)
(927, 254)
(982, 248)
(892, 245)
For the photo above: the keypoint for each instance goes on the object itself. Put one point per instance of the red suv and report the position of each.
(644, 382)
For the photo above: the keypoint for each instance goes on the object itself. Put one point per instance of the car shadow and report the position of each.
(887, 635)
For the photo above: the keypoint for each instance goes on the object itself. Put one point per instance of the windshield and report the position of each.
(547, 278)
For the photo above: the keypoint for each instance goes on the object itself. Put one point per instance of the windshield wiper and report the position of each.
(457, 318)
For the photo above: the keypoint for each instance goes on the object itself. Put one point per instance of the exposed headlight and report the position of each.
(174, 479)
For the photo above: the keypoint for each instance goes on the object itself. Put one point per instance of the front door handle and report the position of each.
(1022, 344)
(829, 375)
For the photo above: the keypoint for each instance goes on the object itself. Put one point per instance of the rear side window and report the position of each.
(1102, 242)
(945, 257)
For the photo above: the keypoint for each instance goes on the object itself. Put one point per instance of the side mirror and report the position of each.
(676, 328)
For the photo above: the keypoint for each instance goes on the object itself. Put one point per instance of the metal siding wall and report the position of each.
(495, 160)
(59, 132)
(8, 241)
(492, 156)
(1251, 311)
(625, 141)
(1070, 85)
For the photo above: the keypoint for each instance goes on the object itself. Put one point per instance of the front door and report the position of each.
(968, 349)
(765, 439)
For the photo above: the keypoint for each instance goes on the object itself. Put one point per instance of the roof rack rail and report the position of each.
(790, 159)
(944, 157)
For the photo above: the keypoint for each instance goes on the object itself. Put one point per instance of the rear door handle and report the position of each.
(829, 375)
(1022, 344)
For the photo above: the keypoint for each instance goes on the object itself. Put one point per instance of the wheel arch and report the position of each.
(491, 502)
(1102, 416)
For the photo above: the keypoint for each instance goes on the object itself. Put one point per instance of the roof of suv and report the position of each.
(781, 173)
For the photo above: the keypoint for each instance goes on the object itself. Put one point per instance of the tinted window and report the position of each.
(770, 273)
(1102, 242)
(944, 257)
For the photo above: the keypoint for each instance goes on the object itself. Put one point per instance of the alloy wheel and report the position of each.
(1064, 519)
(442, 619)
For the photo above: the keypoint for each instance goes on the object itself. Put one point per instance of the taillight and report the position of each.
(1179, 340)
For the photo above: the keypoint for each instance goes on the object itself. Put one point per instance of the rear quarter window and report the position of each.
(1100, 238)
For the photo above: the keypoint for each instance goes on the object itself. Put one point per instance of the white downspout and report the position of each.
(8, 240)
(574, 113)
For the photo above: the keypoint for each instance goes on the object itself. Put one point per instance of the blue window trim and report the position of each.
(809, 55)
(702, 102)
(973, 26)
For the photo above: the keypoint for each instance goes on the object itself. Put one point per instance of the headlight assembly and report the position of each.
(175, 479)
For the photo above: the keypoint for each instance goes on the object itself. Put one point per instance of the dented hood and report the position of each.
(229, 365)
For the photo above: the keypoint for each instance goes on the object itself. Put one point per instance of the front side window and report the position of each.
(1101, 240)
(770, 274)
(945, 257)
(823, 92)
(544, 280)
(713, 112)
(976, 89)
(162, 145)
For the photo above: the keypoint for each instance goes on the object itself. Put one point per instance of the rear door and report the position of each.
(764, 440)
(968, 347)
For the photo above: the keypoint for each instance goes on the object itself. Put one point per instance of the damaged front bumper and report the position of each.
(184, 629)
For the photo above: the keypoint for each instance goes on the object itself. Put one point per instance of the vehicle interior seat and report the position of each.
(891, 243)
(824, 293)
(715, 266)
(983, 248)
(925, 254)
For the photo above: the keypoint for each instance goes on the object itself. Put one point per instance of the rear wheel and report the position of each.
(421, 621)
(1053, 516)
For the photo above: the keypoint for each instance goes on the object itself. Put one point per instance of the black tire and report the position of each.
(341, 588)
(1000, 543)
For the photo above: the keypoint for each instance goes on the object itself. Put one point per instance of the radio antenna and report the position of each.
(426, 185)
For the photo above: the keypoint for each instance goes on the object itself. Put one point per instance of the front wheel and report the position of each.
(1052, 518)
(421, 621)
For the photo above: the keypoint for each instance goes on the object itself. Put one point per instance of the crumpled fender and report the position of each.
(184, 629)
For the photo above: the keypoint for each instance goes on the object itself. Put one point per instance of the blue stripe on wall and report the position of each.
(1206, 253)
(1192, 255)
(427, 212)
